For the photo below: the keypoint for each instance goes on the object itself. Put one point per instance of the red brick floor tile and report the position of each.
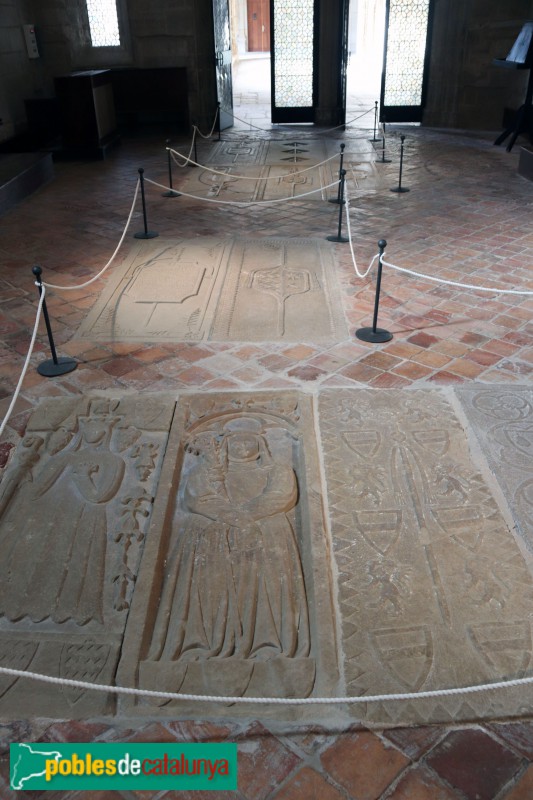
(412, 370)
(422, 784)
(379, 360)
(519, 735)
(423, 339)
(263, 762)
(432, 359)
(446, 378)
(474, 763)
(414, 742)
(465, 367)
(299, 352)
(276, 363)
(308, 785)
(198, 731)
(195, 376)
(358, 372)
(306, 373)
(389, 381)
(483, 357)
(522, 789)
(363, 765)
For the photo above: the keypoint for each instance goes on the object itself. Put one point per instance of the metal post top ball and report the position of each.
(141, 170)
(382, 244)
(37, 271)
(343, 146)
(402, 137)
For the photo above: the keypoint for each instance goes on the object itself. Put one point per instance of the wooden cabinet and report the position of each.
(87, 111)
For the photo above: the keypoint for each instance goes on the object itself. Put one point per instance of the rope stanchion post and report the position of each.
(375, 121)
(146, 234)
(341, 165)
(375, 334)
(383, 160)
(400, 189)
(171, 192)
(54, 366)
(195, 149)
(339, 237)
(219, 129)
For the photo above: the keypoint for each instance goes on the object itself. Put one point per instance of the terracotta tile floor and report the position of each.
(467, 218)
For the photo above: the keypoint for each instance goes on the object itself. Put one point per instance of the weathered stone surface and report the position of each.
(502, 420)
(222, 290)
(234, 595)
(280, 289)
(433, 589)
(162, 292)
(74, 508)
(245, 184)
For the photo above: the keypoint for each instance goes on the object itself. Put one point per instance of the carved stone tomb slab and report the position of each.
(222, 290)
(502, 420)
(74, 508)
(434, 591)
(234, 596)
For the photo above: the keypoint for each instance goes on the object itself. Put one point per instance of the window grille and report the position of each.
(103, 23)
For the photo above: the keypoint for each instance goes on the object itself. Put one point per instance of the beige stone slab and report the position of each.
(74, 508)
(166, 290)
(502, 420)
(434, 591)
(280, 289)
(221, 290)
(300, 151)
(246, 184)
(234, 595)
(242, 150)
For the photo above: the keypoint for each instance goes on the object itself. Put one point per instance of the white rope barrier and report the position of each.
(186, 159)
(348, 225)
(26, 363)
(285, 701)
(92, 280)
(212, 127)
(249, 202)
(494, 290)
(248, 177)
(293, 132)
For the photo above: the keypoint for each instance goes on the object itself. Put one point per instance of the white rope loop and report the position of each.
(212, 127)
(361, 275)
(244, 204)
(284, 701)
(292, 133)
(92, 280)
(189, 160)
(26, 363)
(493, 290)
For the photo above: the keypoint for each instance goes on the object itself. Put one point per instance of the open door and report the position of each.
(293, 60)
(406, 59)
(223, 62)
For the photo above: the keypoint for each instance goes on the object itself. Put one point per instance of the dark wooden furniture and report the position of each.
(520, 57)
(87, 111)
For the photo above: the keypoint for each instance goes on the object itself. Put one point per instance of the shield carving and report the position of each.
(407, 653)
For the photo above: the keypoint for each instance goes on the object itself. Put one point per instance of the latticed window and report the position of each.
(103, 23)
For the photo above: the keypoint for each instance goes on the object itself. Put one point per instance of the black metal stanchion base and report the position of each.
(400, 189)
(51, 370)
(341, 239)
(370, 335)
(145, 235)
(171, 193)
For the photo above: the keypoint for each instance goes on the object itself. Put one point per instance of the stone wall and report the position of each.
(19, 76)
(465, 89)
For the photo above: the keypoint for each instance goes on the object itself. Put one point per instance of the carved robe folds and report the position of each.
(233, 615)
